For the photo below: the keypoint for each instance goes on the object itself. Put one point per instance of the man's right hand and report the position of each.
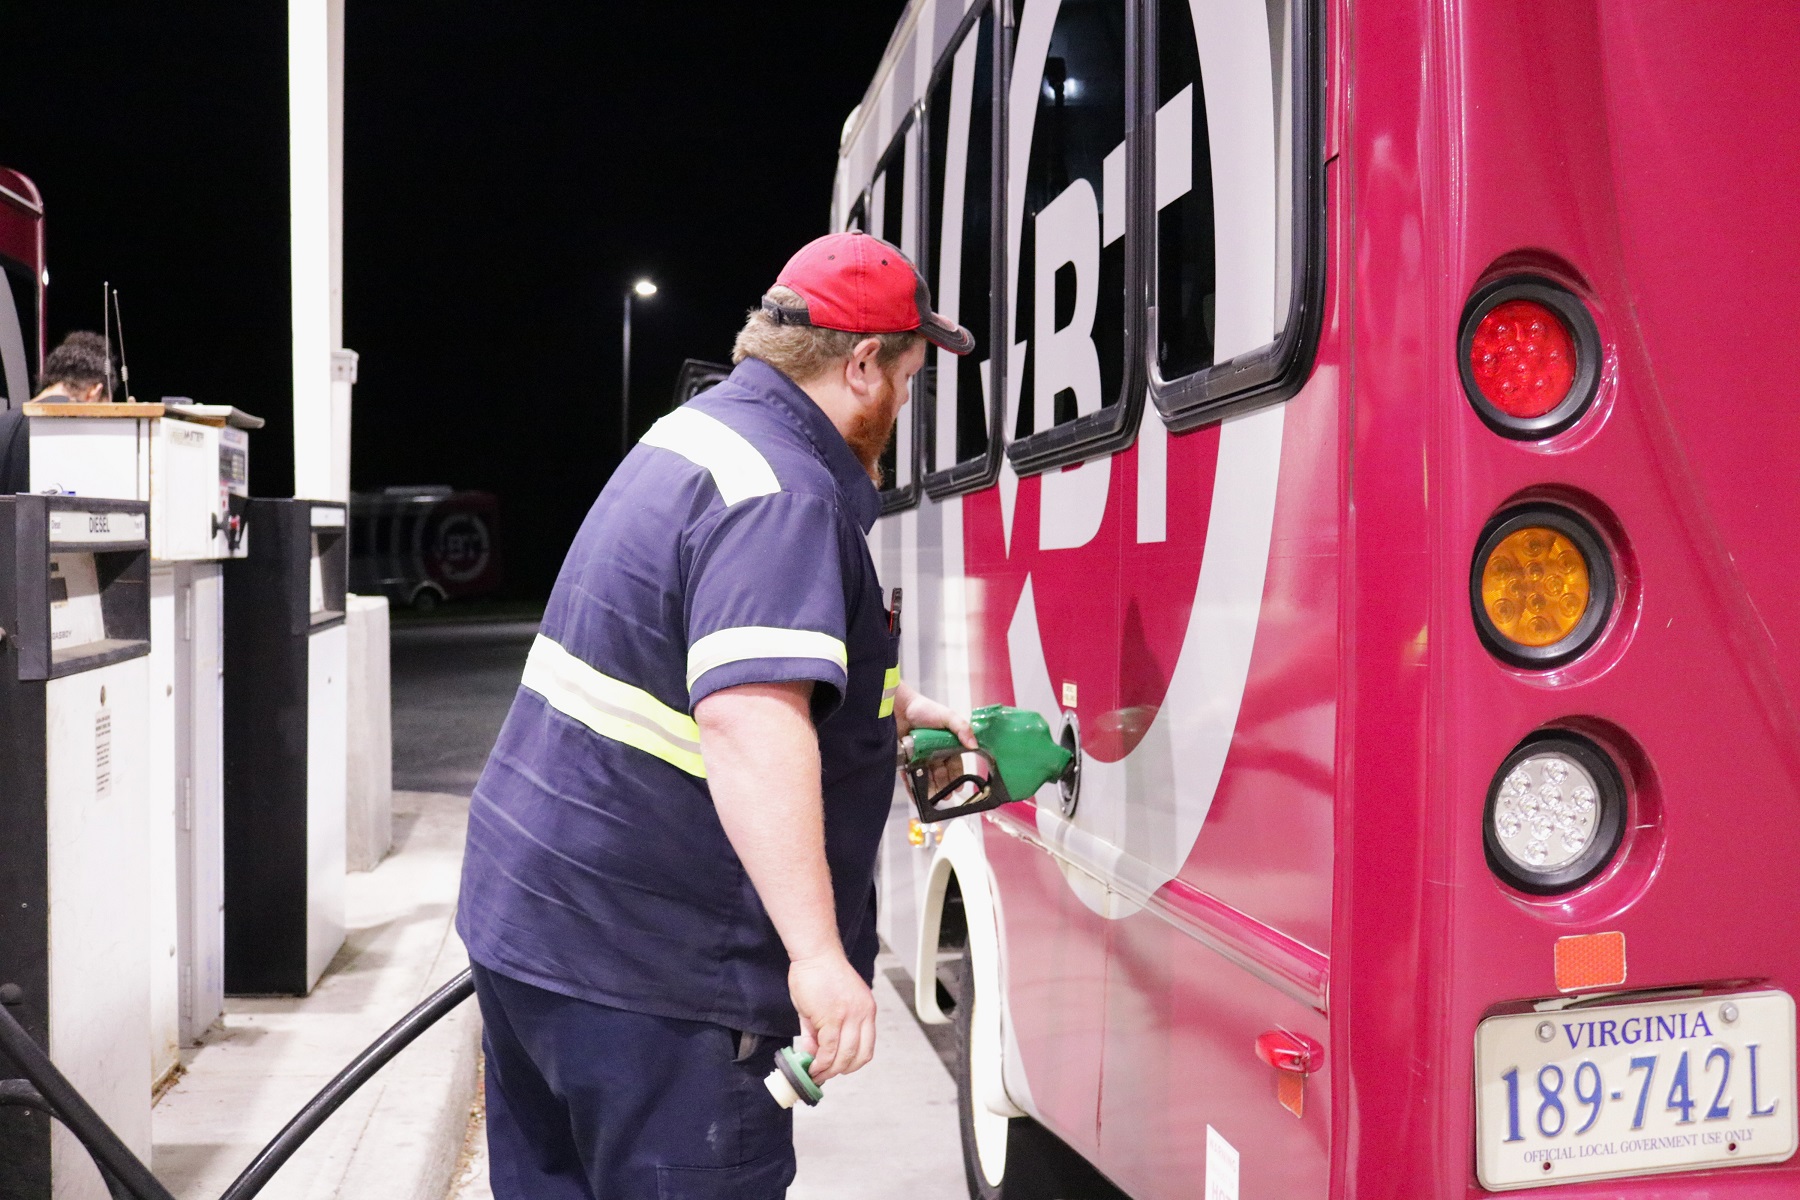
(837, 1014)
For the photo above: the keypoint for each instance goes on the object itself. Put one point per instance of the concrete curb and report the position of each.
(400, 1136)
(408, 1148)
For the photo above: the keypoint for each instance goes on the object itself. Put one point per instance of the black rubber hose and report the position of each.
(271, 1157)
(18, 1093)
(125, 1175)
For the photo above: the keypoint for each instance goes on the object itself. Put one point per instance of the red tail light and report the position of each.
(1530, 356)
(1523, 358)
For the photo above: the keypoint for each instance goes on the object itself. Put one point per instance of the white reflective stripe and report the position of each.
(738, 469)
(725, 646)
(612, 708)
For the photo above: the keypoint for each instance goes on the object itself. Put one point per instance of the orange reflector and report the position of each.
(915, 832)
(1591, 960)
(1290, 1091)
(1535, 586)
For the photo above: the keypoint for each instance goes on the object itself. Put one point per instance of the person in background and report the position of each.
(75, 373)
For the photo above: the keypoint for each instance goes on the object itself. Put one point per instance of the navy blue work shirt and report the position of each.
(730, 547)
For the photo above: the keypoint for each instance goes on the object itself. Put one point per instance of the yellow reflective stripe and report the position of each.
(725, 646)
(612, 708)
(738, 469)
(890, 685)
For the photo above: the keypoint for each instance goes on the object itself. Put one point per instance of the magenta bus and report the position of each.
(1377, 459)
(22, 299)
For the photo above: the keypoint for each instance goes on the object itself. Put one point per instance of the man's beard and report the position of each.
(873, 428)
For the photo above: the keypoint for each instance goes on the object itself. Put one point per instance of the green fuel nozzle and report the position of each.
(1016, 755)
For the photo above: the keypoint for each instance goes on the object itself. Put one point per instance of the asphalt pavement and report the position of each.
(452, 685)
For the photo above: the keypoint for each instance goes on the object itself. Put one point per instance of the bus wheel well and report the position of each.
(952, 937)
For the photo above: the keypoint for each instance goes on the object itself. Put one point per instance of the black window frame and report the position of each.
(1114, 427)
(1270, 375)
(899, 499)
(974, 474)
(1276, 371)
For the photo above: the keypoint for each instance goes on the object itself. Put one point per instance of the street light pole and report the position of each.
(646, 289)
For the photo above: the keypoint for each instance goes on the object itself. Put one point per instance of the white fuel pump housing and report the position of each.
(74, 749)
(190, 463)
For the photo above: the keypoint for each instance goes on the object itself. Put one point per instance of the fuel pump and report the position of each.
(286, 729)
(191, 463)
(74, 751)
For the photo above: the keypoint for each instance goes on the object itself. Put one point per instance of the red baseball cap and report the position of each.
(857, 283)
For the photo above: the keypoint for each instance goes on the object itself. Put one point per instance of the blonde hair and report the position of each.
(805, 352)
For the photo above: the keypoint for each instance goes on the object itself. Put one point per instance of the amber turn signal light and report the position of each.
(1535, 586)
(1542, 585)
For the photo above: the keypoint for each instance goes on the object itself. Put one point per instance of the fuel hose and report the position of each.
(46, 1089)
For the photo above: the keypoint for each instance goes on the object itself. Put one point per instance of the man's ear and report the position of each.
(862, 371)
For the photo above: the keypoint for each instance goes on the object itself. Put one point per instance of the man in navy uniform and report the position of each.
(671, 851)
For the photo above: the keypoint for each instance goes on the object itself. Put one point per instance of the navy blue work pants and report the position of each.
(587, 1102)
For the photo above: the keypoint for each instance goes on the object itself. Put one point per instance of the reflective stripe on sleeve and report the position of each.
(890, 686)
(611, 708)
(738, 469)
(725, 646)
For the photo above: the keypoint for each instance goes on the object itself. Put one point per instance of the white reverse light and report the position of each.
(1546, 812)
(1555, 813)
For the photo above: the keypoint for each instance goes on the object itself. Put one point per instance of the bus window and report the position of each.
(1224, 187)
(1071, 257)
(893, 218)
(959, 128)
(888, 194)
(859, 214)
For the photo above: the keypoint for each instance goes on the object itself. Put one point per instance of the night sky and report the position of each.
(509, 170)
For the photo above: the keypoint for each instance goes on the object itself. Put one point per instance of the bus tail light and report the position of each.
(1555, 813)
(1541, 585)
(1529, 357)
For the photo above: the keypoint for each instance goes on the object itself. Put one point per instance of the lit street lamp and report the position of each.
(645, 289)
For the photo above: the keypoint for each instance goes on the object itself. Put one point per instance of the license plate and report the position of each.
(1634, 1089)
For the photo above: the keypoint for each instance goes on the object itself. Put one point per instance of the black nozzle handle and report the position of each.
(990, 792)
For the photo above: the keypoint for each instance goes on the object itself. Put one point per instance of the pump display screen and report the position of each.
(75, 614)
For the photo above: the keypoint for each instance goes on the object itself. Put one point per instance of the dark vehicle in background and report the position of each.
(695, 376)
(422, 546)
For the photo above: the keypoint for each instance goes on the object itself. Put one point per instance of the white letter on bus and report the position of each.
(1068, 232)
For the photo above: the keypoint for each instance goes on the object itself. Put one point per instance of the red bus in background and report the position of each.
(422, 546)
(22, 347)
(1377, 458)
